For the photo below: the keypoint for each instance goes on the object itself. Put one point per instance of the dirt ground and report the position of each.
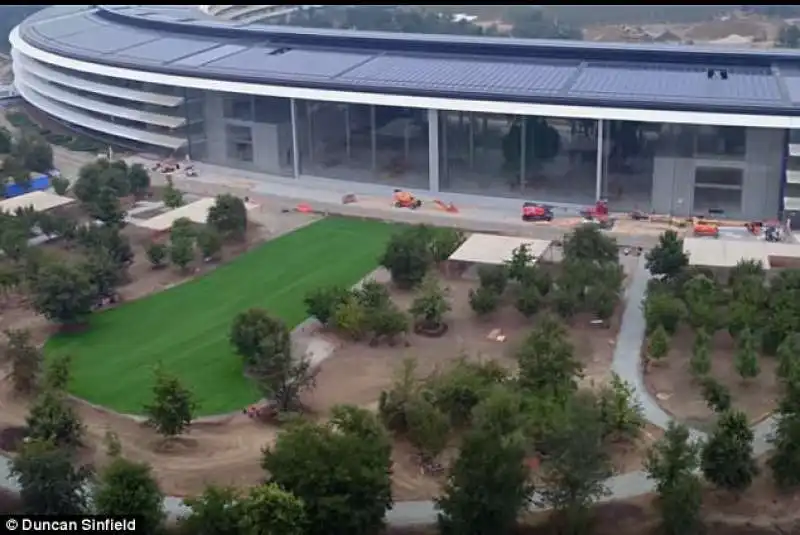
(672, 385)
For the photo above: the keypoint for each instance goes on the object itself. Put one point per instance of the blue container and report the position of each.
(39, 183)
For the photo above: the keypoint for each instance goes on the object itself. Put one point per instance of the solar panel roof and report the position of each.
(570, 73)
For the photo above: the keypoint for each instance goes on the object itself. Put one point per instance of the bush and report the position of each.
(228, 216)
(373, 295)
(665, 310)
(444, 242)
(322, 303)
(407, 257)
(60, 185)
(494, 278)
(351, 318)
(210, 243)
(529, 300)
(484, 300)
(387, 323)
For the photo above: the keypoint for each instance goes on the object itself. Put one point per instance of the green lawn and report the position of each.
(186, 328)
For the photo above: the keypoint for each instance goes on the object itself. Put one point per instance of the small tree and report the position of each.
(547, 364)
(407, 257)
(157, 255)
(217, 510)
(50, 484)
(321, 303)
(588, 242)
(53, 421)
(494, 278)
(789, 356)
(129, 488)
(785, 458)
(351, 318)
(25, 359)
(521, 260)
(663, 309)
(484, 300)
(257, 336)
(107, 208)
(57, 373)
(667, 258)
(575, 473)
(672, 463)
(269, 509)
(351, 457)
(63, 293)
(727, 458)
(60, 185)
(387, 323)
(529, 300)
(138, 180)
(430, 306)
(620, 412)
(173, 406)
(173, 198)
(181, 252)
(700, 362)
(210, 243)
(746, 358)
(228, 216)
(428, 428)
(658, 344)
(717, 396)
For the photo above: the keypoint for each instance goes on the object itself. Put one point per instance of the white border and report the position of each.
(381, 99)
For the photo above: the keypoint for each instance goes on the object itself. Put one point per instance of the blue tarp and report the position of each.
(39, 183)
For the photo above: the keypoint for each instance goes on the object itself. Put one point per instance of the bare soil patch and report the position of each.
(671, 384)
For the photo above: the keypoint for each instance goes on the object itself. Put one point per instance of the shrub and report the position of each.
(663, 309)
(157, 255)
(60, 185)
(529, 300)
(407, 257)
(351, 318)
(387, 323)
(322, 303)
(494, 278)
(373, 295)
(484, 300)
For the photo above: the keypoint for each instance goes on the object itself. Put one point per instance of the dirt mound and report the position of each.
(718, 29)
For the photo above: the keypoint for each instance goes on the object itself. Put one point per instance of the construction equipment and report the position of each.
(532, 211)
(403, 199)
(705, 228)
(598, 211)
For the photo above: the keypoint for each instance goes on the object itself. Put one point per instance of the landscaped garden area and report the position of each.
(185, 328)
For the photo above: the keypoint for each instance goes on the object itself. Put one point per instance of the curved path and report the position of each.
(626, 364)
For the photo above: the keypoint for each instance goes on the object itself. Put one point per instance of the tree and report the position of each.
(53, 421)
(228, 216)
(575, 472)
(407, 257)
(138, 180)
(35, 153)
(50, 484)
(209, 241)
(727, 458)
(620, 412)
(746, 359)
(157, 255)
(489, 484)
(667, 258)
(494, 278)
(672, 463)
(181, 252)
(717, 395)
(700, 362)
(173, 198)
(484, 300)
(661, 308)
(529, 300)
(25, 359)
(270, 510)
(258, 337)
(218, 511)
(107, 208)
(701, 295)
(60, 185)
(387, 323)
(5, 141)
(784, 460)
(588, 242)
(63, 293)
(658, 343)
(789, 356)
(351, 318)
(106, 274)
(340, 469)
(547, 364)
(321, 303)
(521, 260)
(430, 305)
(57, 373)
(129, 488)
(173, 406)
(428, 427)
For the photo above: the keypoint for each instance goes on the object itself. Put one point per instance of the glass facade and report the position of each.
(514, 156)
(363, 143)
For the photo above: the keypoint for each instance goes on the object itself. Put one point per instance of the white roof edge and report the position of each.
(60, 78)
(92, 123)
(436, 103)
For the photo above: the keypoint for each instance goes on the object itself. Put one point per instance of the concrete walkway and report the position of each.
(626, 360)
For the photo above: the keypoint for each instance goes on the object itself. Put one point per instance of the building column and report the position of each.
(373, 137)
(523, 152)
(433, 150)
(347, 130)
(598, 187)
(295, 141)
(471, 140)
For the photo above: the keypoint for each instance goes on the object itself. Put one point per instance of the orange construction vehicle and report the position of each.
(703, 227)
(403, 199)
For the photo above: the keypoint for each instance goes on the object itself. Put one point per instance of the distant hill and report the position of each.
(10, 16)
